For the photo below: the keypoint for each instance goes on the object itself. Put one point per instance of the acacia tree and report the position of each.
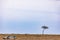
(44, 28)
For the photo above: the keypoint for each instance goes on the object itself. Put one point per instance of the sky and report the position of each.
(28, 16)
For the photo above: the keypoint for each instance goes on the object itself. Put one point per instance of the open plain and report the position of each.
(30, 37)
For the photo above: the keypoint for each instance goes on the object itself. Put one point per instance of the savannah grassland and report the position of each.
(31, 37)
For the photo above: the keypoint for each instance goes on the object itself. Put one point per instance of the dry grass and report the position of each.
(31, 37)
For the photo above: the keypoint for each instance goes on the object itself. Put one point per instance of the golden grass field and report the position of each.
(31, 37)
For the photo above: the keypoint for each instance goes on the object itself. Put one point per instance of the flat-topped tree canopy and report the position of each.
(44, 27)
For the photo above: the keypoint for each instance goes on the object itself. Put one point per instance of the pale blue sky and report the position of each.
(27, 16)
